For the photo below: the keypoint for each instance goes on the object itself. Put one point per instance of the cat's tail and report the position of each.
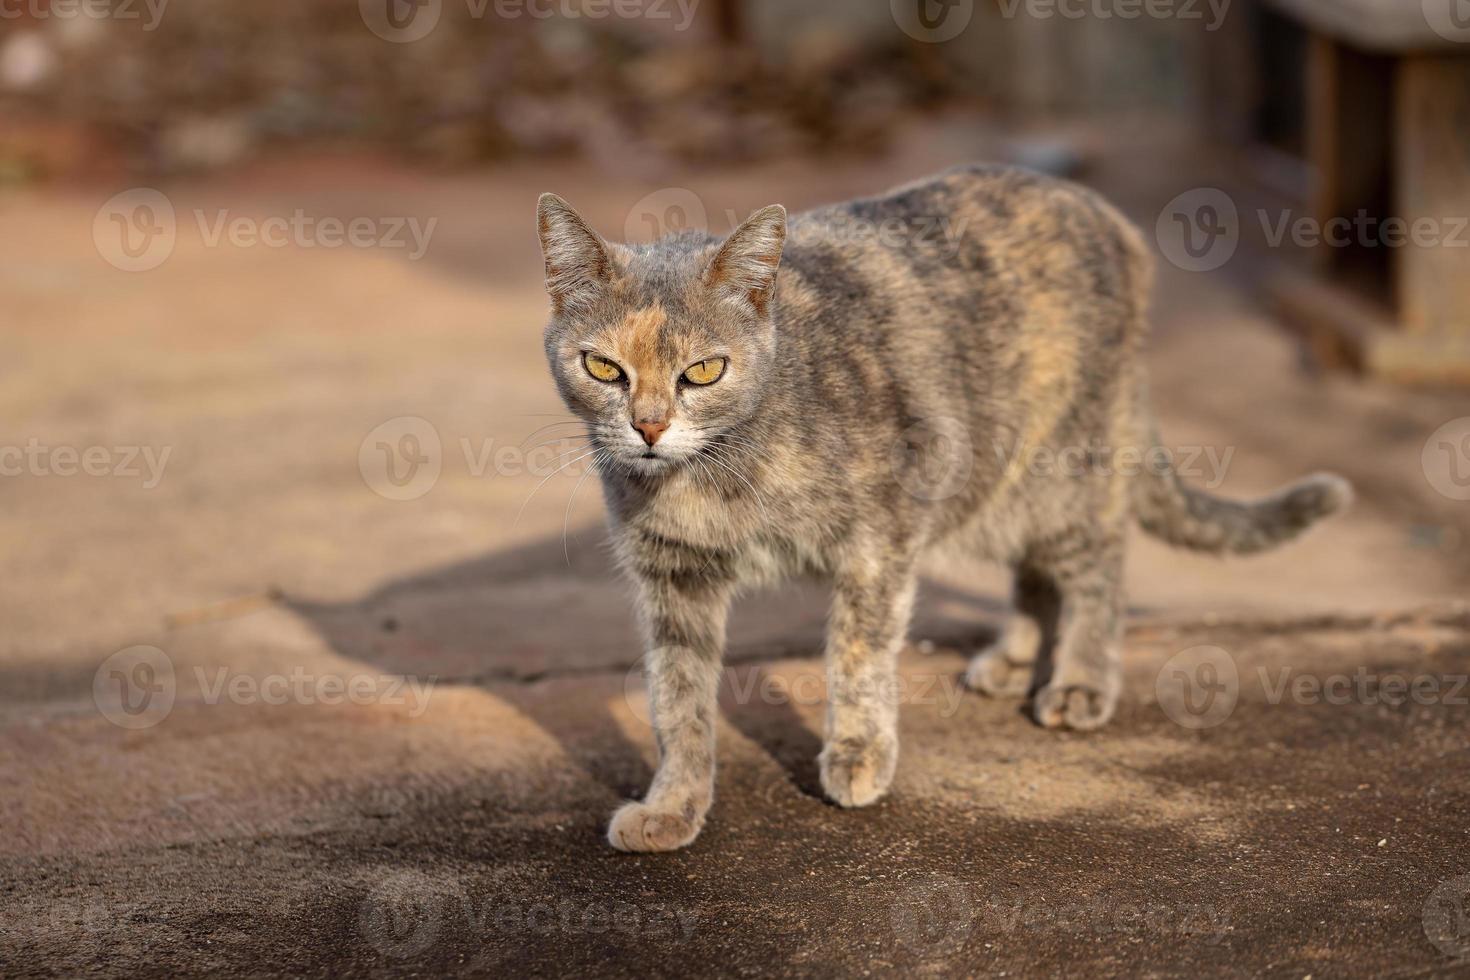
(1190, 518)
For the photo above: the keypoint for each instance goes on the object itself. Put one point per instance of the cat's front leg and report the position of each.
(684, 619)
(871, 606)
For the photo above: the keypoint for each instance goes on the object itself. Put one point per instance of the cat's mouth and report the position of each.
(646, 460)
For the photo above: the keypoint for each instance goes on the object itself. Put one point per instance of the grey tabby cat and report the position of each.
(886, 393)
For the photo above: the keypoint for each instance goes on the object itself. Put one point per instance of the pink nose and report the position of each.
(651, 430)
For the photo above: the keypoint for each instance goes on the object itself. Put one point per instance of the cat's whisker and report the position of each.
(552, 442)
(551, 425)
(543, 483)
(696, 459)
(729, 439)
(566, 517)
(728, 466)
(575, 449)
(750, 451)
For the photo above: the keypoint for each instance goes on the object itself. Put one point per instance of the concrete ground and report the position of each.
(210, 762)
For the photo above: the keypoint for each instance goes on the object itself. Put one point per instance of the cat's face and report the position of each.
(660, 348)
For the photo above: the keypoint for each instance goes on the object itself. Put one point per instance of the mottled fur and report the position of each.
(882, 396)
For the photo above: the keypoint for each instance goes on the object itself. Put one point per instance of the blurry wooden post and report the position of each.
(1434, 180)
(730, 22)
(1388, 137)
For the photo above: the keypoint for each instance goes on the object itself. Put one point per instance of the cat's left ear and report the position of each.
(744, 269)
(578, 264)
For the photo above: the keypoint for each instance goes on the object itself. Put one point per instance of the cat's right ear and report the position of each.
(578, 265)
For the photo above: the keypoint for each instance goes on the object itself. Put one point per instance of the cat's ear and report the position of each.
(744, 269)
(578, 264)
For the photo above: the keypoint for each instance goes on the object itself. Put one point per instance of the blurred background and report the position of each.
(274, 406)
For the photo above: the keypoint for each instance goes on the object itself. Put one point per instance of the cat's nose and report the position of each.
(651, 429)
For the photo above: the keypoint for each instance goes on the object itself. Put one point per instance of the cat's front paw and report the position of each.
(639, 827)
(857, 774)
(1077, 706)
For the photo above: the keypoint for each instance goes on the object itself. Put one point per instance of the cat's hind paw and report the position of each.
(639, 827)
(992, 673)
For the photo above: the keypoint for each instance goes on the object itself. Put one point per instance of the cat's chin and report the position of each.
(646, 466)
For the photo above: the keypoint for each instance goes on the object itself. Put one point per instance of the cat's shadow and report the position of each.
(551, 621)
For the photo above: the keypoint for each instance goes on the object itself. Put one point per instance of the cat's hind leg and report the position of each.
(1080, 682)
(1007, 667)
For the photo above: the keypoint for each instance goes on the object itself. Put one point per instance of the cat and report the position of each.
(839, 393)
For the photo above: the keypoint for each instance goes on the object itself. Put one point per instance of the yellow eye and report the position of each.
(705, 372)
(601, 368)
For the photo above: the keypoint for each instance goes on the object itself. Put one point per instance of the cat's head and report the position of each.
(660, 348)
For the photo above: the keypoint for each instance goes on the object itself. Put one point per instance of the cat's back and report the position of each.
(976, 242)
(1003, 299)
